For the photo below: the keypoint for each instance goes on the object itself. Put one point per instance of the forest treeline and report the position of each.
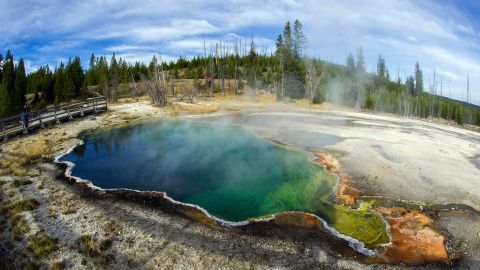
(287, 72)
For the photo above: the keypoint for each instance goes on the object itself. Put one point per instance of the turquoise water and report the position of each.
(222, 168)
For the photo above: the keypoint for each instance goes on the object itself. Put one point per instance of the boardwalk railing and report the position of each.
(23, 123)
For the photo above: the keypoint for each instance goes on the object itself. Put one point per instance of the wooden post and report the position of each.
(68, 111)
(94, 108)
(106, 104)
(56, 118)
(40, 119)
(81, 111)
(4, 131)
(24, 127)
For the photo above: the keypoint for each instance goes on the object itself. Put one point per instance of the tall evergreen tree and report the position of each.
(8, 86)
(410, 85)
(287, 39)
(92, 70)
(114, 76)
(102, 75)
(1, 67)
(418, 79)
(381, 67)
(360, 64)
(153, 65)
(294, 70)
(74, 77)
(300, 39)
(59, 85)
(350, 65)
(18, 97)
(252, 57)
(47, 85)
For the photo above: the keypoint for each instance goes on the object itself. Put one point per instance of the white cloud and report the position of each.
(438, 35)
(126, 47)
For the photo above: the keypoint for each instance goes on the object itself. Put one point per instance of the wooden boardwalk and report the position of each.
(14, 125)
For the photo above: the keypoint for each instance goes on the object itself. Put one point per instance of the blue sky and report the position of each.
(441, 35)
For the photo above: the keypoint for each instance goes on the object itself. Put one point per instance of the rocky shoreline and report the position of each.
(120, 229)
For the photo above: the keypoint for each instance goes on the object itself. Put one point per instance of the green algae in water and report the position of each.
(222, 168)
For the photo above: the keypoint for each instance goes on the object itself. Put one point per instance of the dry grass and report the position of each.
(187, 108)
(52, 211)
(110, 227)
(19, 227)
(12, 209)
(41, 244)
(21, 182)
(69, 209)
(32, 150)
(87, 246)
(24, 152)
(5, 163)
(57, 265)
(40, 185)
(18, 169)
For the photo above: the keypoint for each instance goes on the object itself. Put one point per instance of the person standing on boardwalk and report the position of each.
(25, 117)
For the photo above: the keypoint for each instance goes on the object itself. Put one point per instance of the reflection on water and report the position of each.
(222, 168)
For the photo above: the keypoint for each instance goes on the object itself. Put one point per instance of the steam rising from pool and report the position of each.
(222, 168)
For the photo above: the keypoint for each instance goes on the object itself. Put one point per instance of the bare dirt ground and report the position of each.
(49, 222)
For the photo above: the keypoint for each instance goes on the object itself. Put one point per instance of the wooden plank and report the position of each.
(14, 124)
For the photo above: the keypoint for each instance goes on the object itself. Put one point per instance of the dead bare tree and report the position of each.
(157, 87)
(236, 66)
(313, 79)
(106, 91)
(134, 88)
(115, 85)
(190, 93)
(439, 113)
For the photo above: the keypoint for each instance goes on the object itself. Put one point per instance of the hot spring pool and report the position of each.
(222, 168)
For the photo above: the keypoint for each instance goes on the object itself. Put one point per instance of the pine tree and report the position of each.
(350, 65)
(1, 68)
(59, 85)
(251, 58)
(92, 69)
(300, 39)
(102, 75)
(294, 69)
(74, 72)
(114, 76)
(287, 43)
(8, 86)
(360, 64)
(418, 79)
(279, 53)
(381, 67)
(18, 97)
(47, 86)
(153, 65)
(410, 84)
